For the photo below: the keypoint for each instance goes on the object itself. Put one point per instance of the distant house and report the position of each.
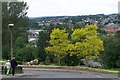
(111, 28)
(33, 35)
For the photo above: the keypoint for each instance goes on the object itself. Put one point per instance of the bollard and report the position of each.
(119, 74)
(3, 70)
(19, 69)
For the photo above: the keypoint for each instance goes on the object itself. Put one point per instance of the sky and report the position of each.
(41, 8)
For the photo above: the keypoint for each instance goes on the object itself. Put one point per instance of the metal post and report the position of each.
(11, 45)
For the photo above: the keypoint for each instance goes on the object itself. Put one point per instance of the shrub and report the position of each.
(47, 61)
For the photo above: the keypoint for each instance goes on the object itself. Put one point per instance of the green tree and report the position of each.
(41, 44)
(111, 56)
(25, 54)
(15, 13)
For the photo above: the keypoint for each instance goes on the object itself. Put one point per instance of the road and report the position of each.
(58, 73)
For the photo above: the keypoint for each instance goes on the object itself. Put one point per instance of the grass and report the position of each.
(113, 69)
(107, 71)
(2, 62)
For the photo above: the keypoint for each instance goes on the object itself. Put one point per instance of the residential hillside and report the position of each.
(100, 19)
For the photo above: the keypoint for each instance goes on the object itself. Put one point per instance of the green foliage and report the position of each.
(33, 24)
(2, 62)
(110, 57)
(26, 54)
(5, 52)
(41, 44)
(100, 26)
(24, 51)
(70, 60)
(84, 42)
(102, 32)
(47, 61)
(87, 44)
(15, 14)
(20, 42)
(59, 41)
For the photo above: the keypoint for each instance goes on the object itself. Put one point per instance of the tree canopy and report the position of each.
(84, 43)
(13, 13)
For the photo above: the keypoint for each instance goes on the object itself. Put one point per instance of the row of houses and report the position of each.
(111, 28)
(52, 21)
(33, 35)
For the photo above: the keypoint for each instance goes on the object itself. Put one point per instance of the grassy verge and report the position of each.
(83, 68)
(2, 62)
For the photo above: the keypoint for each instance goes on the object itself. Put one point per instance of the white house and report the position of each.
(33, 35)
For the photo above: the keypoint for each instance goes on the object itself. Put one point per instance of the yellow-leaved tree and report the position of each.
(87, 42)
(59, 43)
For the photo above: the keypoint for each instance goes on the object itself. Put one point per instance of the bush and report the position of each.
(118, 63)
(110, 56)
(2, 62)
(19, 62)
(47, 61)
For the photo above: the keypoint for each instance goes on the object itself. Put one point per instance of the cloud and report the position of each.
(71, 7)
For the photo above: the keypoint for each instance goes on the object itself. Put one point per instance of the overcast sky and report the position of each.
(39, 8)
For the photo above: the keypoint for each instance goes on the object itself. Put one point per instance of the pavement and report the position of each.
(11, 76)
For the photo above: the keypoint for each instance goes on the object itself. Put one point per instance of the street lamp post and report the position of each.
(11, 44)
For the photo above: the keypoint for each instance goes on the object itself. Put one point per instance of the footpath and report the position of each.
(10, 76)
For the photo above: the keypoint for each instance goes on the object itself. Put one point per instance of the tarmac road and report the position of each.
(57, 74)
